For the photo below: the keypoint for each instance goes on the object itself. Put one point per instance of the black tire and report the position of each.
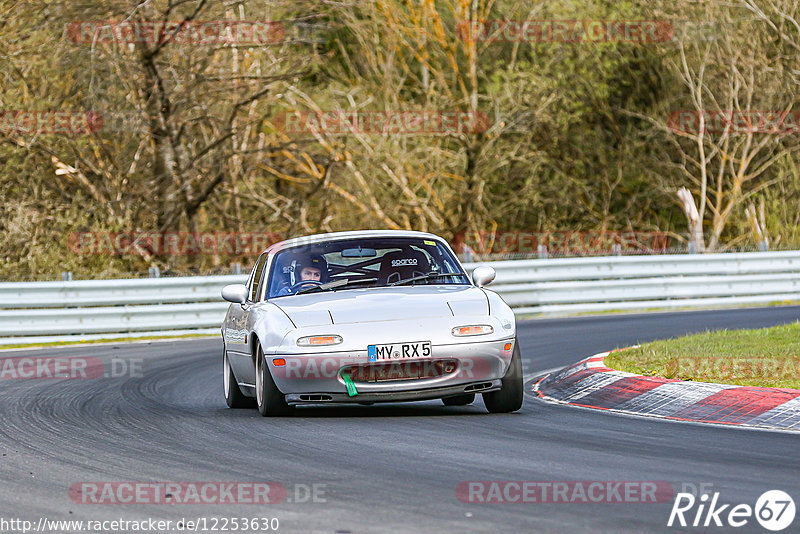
(459, 400)
(509, 398)
(234, 397)
(269, 400)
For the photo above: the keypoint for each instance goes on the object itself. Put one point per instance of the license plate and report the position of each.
(399, 351)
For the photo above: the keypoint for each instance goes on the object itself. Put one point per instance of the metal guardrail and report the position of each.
(74, 310)
(584, 285)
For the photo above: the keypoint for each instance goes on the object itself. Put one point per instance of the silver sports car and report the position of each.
(365, 317)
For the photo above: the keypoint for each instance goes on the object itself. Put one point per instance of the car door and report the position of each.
(237, 331)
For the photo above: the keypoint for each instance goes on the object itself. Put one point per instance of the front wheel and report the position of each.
(233, 395)
(509, 398)
(269, 399)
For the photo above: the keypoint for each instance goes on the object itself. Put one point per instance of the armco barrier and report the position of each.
(50, 311)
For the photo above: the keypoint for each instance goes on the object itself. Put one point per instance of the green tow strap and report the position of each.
(351, 388)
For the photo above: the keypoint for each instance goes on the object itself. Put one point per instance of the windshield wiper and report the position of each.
(335, 284)
(426, 277)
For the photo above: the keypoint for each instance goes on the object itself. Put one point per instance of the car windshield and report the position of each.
(357, 263)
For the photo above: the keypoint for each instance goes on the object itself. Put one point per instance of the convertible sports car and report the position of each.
(365, 317)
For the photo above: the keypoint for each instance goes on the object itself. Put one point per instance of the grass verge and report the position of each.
(108, 340)
(768, 357)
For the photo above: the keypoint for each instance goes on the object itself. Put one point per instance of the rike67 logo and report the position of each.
(774, 510)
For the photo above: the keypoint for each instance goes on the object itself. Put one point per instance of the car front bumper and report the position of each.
(318, 374)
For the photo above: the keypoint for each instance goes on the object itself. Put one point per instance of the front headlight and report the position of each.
(315, 341)
(472, 330)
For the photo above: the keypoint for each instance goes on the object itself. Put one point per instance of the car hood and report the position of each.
(383, 304)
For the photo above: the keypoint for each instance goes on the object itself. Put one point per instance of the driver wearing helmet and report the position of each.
(311, 269)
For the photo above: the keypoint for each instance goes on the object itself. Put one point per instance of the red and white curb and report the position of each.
(590, 384)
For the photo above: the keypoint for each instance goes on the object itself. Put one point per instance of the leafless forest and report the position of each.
(198, 116)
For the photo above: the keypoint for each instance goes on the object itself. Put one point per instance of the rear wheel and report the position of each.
(509, 398)
(233, 395)
(459, 400)
(270, 401)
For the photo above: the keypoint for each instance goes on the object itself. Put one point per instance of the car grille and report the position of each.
(400, 370)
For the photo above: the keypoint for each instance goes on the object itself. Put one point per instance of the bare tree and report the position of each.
(737, 124)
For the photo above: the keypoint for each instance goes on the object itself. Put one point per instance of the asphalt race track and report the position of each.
(382, 468)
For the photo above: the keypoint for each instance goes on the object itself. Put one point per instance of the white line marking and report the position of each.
(529, 377)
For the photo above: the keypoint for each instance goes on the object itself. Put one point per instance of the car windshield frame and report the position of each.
(415, 256)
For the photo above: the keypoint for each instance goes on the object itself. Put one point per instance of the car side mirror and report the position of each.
(483, 275)
(236, 293)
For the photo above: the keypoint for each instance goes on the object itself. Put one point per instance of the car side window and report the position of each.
(258, 272)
